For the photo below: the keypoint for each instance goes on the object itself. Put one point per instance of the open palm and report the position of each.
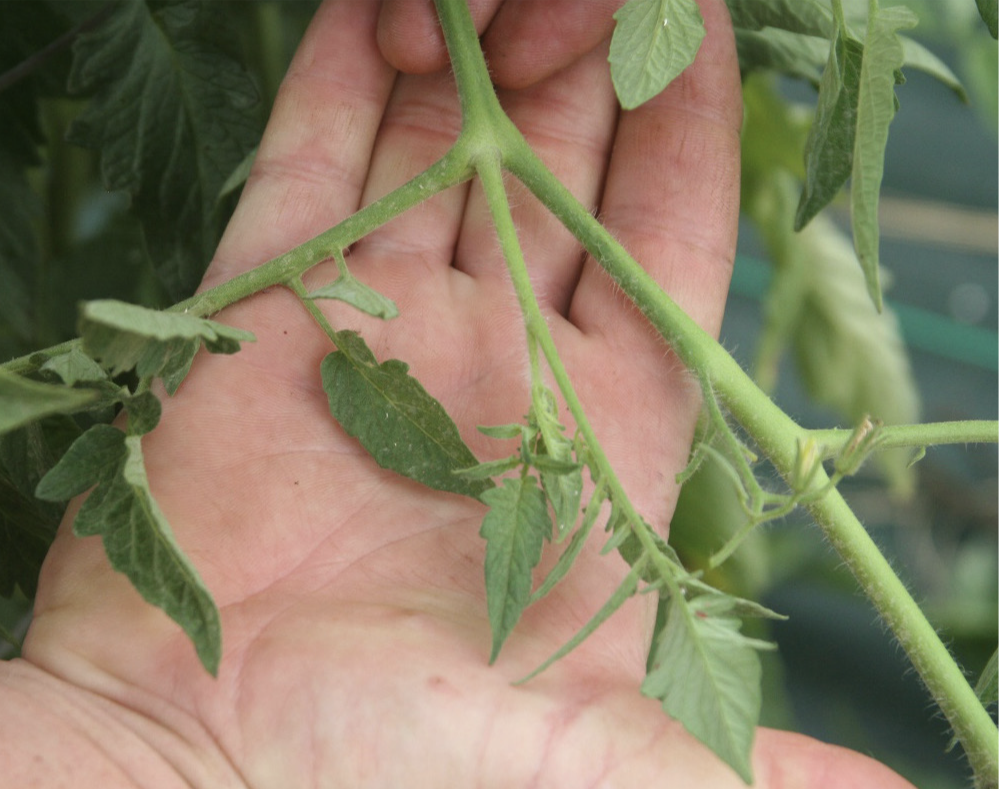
(352, 600)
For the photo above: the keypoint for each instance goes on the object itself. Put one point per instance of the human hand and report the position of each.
(352, 601)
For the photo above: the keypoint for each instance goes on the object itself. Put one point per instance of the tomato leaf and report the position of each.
(155, 343)
(829, 148)
(137, 538)
(173, 114)
(987, 687)
(988, 11)
(707, 676)
(810, 17)
(398, 422)
(653, 41)
(515, 529)
(563, 479)
(352, 291)
(23, 400)
(876, 106)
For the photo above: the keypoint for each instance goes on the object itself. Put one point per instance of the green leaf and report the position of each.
(987, 687)
(19, 251)
(23, 400)
(155, 343)
(352, 291)
(987, 9)
(653, 41)
(74, 367)
(829, 148)
(28, 525)
(627, 589)
(707, 676)
(391, 414)
(794, 54)
(137, 538)
(238, 176)
(810, 17)
(883, 57)
(173, 114)
(515, 529)
(491, 468)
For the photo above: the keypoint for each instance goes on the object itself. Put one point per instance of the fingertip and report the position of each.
(409, 36)
(785, 760)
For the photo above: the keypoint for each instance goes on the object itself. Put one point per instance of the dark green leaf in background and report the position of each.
(23, 400)
(28, 525)
(829, 148)
(987, 687)
(515, 529)
(880, 72)
(707, 676)
(137, 538)
(793, 54)
(988, 10)
(398, 422)
(155, 343)
(173, 114)
(653, 41)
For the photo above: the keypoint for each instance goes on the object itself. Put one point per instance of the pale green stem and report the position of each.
(915, 436)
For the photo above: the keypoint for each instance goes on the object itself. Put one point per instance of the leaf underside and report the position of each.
(653, 42)
(137, 538)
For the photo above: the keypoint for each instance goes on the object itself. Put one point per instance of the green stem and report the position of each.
(451, 169)
(900, 436)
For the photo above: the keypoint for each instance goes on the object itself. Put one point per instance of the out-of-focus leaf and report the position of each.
(987, 9)
(919, 57)
(810, 17)
(793, 54)
(137, 538)
(173, 114)
(653, 41)
(23, 401)
(852, 358)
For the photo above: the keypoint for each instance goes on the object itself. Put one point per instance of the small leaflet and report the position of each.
(653, 42)
(515, 529)
(155, 343)
(562, 479)
(137, 538)
(707, 676)
(398, 422)
(23, 400)
(352, 291)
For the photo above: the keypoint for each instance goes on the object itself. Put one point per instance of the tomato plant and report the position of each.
(117, 184)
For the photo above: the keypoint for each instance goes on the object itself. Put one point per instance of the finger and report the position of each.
(672, 192)
(410, 36)
(528, 41)
(569, 121)
(420, 124)
(314, 155)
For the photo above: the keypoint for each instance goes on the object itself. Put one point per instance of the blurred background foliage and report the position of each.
(797, 316)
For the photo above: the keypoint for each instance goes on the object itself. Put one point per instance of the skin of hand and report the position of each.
(352, 600)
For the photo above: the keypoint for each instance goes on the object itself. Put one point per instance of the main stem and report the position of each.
(774, 432)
